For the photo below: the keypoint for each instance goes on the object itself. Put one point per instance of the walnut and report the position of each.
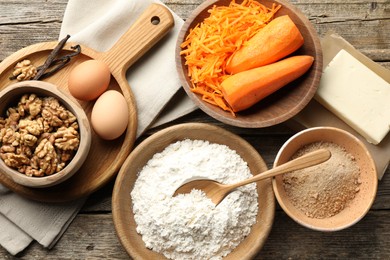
(48, 136)
(22, 169)
(13, 114)
(60, 166)
(14, 160)
(29, 126)
(24, 149)
(65, 155)
(31, 104)
(30, 171)
(10, 137)
(29, 139)
(70, 120)
(7, 149)
(34, 127)
(3, 132)
(12, 118)
(24, 70)
(52, 111)
(47, 128)
(67, 138)
(45, 158)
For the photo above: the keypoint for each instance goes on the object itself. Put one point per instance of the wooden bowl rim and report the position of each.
(238, 121)
(121, 199)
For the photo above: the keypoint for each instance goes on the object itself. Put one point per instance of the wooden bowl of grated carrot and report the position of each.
(249, 63)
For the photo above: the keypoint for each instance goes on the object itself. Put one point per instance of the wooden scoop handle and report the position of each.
(304, 161)
(147, 30)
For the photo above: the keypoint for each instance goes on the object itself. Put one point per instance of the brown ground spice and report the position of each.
(324, 190)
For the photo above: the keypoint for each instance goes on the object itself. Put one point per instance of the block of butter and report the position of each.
(356, 95)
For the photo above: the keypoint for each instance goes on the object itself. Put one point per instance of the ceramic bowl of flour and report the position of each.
(333, 195)
(177, 225)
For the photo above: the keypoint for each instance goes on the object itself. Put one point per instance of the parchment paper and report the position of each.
(314, 114)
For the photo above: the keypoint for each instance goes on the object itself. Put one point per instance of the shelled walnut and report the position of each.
(39, 136)
(24, 70)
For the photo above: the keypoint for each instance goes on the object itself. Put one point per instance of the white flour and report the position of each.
(190, 226)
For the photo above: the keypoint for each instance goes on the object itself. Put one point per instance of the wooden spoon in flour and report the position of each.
(217, 191)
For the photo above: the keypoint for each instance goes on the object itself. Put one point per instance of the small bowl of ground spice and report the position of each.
(45, 136)
(333, 195)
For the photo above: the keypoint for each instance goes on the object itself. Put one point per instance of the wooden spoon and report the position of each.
(217, 191)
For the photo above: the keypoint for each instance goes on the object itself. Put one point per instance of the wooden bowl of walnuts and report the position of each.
(45, 136)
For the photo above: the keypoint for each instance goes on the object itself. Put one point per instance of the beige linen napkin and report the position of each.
(98, 24)
(22, 221)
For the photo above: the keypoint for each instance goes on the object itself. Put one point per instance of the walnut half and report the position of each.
(24, 70)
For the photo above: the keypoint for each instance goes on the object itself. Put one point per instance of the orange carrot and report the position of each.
(275, 41)
(209, 45)
(244, 89)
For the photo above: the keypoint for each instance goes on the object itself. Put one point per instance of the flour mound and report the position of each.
(190, 226)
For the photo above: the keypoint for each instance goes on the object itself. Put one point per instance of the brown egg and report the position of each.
(88, 80)
(110, 115)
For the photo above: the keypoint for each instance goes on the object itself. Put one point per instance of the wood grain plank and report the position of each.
(289, 240)
(96, 239)
(24, 24)
(364, 24)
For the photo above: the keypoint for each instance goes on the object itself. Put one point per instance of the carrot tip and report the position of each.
(209, 45)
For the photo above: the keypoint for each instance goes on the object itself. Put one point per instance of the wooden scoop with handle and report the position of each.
(217, 191)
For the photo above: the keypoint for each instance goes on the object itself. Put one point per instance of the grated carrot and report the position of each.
(209, 45)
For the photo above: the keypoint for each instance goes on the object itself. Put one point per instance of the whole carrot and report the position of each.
(244, 89)
(275, 41)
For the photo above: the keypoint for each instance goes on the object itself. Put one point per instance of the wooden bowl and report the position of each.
(281, 105)
(363, 200)
(9, 97)
(122, 204)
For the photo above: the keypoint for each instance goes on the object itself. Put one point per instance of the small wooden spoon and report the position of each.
(217, 191)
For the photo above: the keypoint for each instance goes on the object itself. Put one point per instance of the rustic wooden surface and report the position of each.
(365, 24)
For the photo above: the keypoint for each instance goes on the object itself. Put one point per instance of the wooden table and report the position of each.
(365, 24)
